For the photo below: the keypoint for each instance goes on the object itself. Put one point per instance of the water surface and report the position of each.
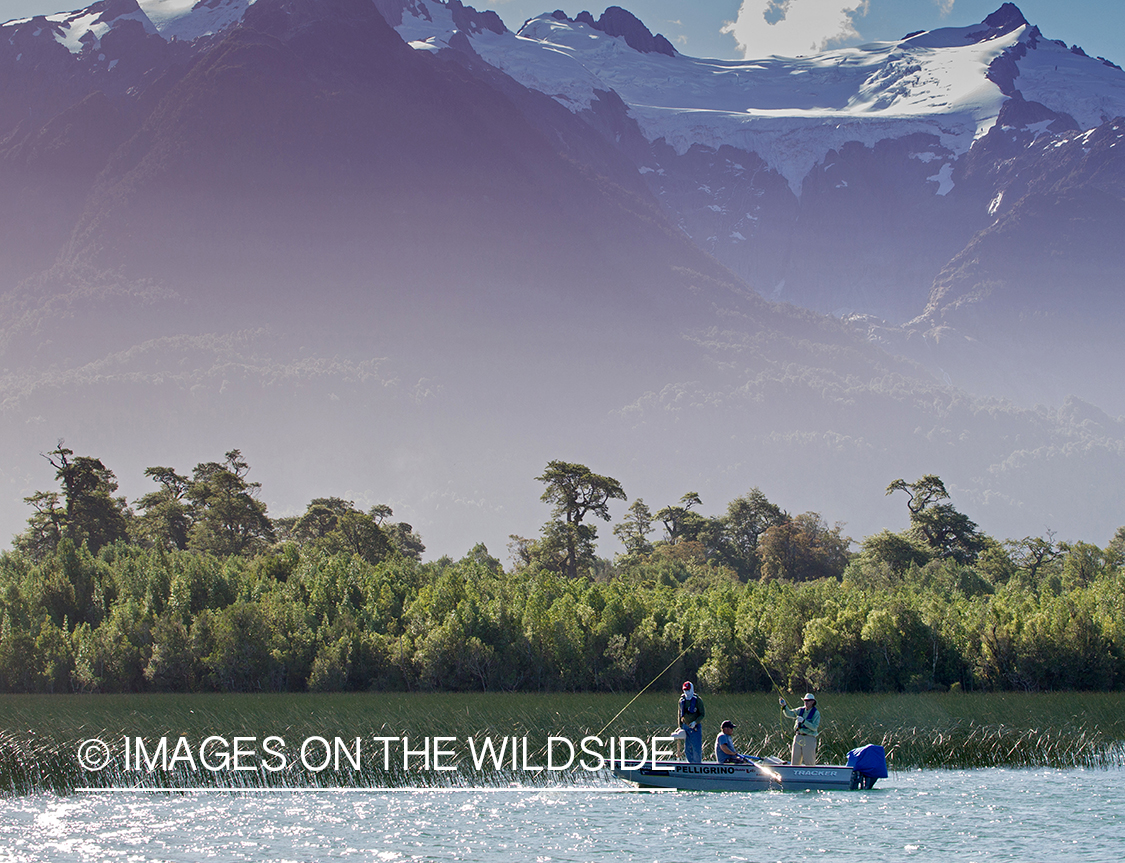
(1031, 816)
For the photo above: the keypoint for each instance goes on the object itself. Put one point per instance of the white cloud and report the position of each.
(944, 7)
(792, 27)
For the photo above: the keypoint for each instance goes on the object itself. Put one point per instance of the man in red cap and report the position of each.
(691, 721)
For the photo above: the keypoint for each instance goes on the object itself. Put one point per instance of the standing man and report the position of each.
(806, 726)
(691, 721)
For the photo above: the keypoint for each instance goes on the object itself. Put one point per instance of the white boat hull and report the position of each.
(711, 776)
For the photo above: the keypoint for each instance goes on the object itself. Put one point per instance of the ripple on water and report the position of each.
(980, 815)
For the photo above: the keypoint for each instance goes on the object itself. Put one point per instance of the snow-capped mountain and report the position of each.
(862, 180)
(82, 30)
(870, 141)
(791, 112)
(757, 161)
(948, 83)
(416, 255)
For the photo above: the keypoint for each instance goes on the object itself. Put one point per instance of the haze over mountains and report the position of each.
(397, 253)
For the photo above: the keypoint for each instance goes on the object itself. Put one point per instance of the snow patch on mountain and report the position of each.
(190, 19)
(949, 83)
(85, 28)
(431, 21)
(944, 179)
(792, 111)
(1089, 90)
(539, 58)
(179, 19)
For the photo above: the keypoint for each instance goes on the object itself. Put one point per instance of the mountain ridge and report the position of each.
(391, 269)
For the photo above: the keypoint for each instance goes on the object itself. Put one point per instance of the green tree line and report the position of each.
(195, 588)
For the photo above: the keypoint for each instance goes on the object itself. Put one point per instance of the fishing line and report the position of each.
(639, 694)
(765, 668)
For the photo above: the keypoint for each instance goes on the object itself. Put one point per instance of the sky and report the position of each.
(739, 29)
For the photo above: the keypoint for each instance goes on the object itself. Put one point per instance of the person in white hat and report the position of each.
(690, 719)
(806, 726)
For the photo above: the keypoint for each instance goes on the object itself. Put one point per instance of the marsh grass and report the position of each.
(39, 735)
(962, 730)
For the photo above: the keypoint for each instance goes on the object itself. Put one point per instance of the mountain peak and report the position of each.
(1006, 19)
(618, 22)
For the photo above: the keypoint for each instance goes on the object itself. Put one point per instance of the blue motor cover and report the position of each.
(869, 760)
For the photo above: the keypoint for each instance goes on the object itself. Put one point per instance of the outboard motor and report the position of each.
(868, 763)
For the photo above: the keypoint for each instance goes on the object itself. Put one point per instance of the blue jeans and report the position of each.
(693, 744)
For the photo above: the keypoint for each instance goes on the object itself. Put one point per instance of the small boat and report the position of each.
(865, 765)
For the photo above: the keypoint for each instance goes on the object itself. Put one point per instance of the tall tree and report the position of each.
(229, 518)
(336, 525)
(950, 534)
(634, 529)
(680, 523)
(1035, 554)
(45, 527)
(91, 514)
(803, 548)
(405, 539)
(575, 492)
(166, 516)
(746, 519)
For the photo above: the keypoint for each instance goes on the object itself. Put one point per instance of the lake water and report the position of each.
(1031, 816)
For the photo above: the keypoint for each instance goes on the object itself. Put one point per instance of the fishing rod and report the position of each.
(642, 692)
(765, 668)
(781, 695)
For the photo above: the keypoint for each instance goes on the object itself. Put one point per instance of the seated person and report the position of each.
(725, 753)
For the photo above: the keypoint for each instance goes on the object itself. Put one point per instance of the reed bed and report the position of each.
(959, 731)
(40, 735)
